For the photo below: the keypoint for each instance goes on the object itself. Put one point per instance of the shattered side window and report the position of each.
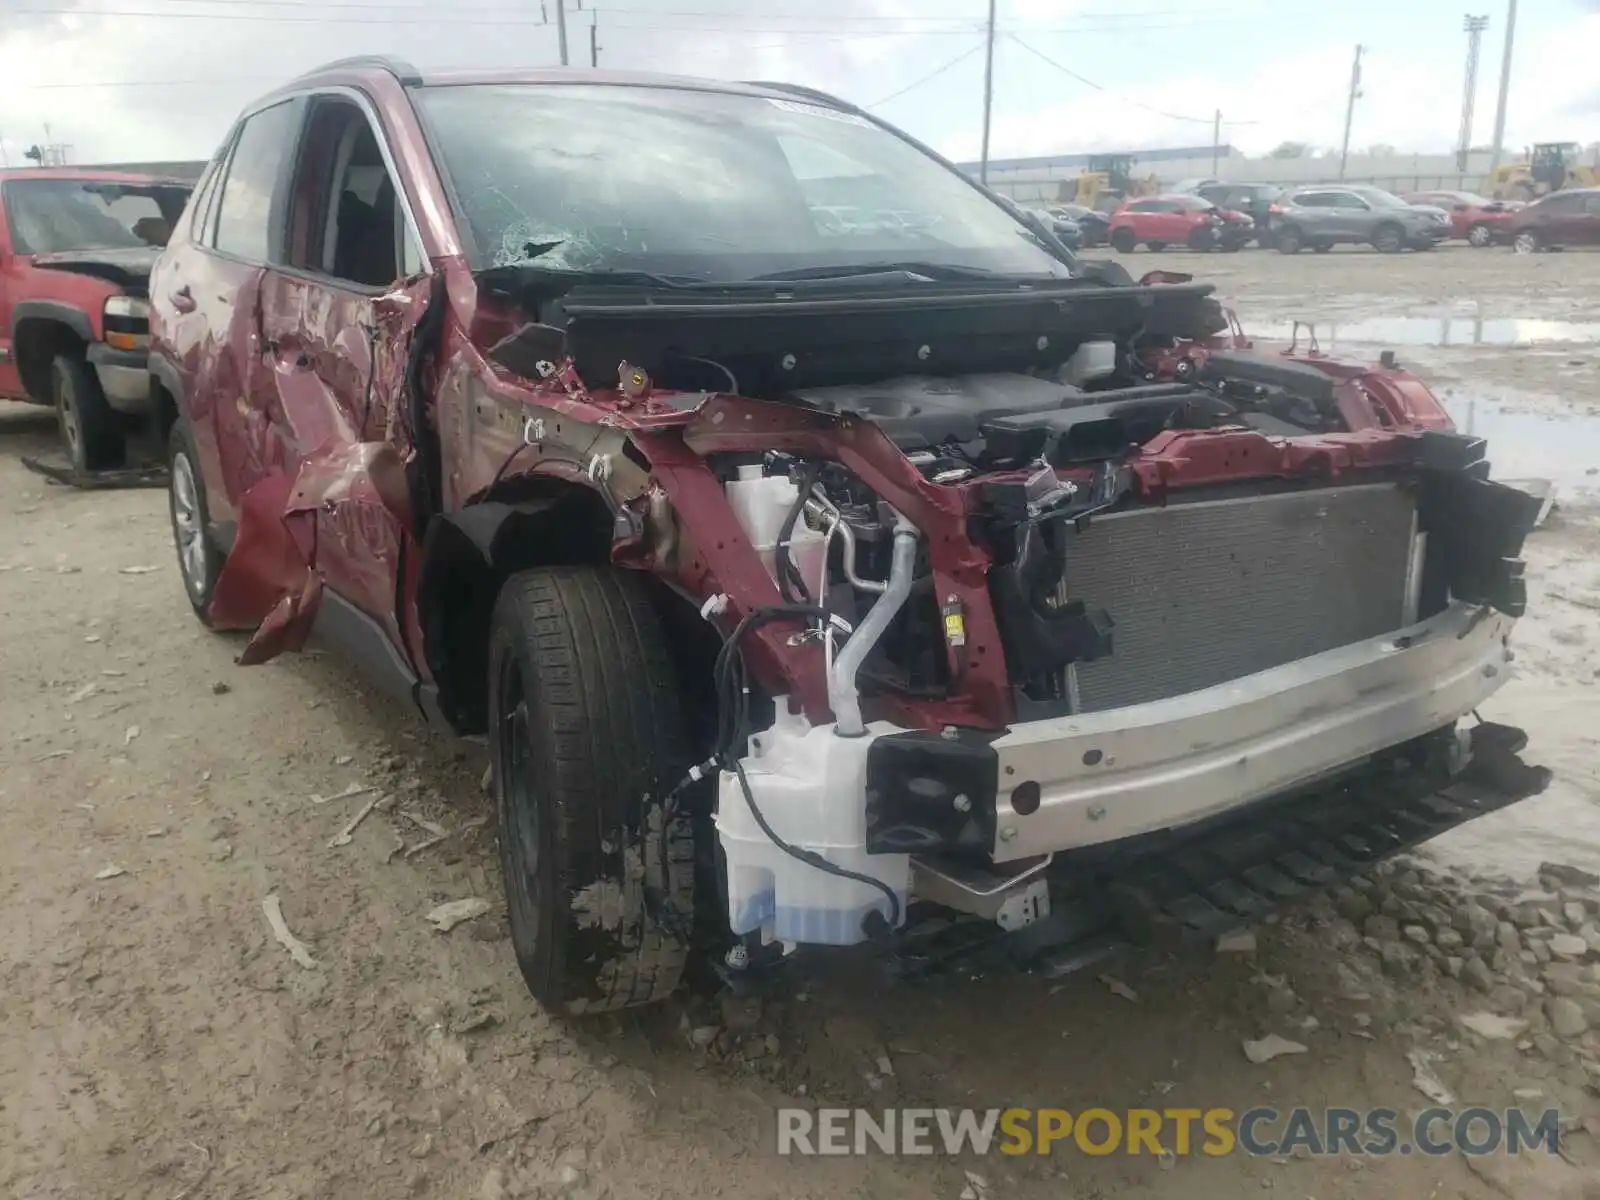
(708, 184)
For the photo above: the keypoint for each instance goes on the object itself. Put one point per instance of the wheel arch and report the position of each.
(166, 393)
(468, 554)
(42, 330)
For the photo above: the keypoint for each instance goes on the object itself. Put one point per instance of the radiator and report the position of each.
(1202, 593)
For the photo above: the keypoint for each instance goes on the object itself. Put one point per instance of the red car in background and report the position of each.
(1178, 220)
(1476, 219)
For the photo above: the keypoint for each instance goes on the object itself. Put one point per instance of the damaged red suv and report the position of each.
(807, 577)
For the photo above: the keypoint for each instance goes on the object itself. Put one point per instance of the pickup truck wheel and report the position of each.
(92, 432)
(586, 737)
(1123, 241)
(199, 560)
(1389, 239)
(1289, 240)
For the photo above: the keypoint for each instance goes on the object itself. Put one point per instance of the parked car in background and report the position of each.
(1322, 217)
(1570, 218)
(1178, 220)
(1068, 232)
(1254, 200)
(76, 248)
(1477, 220)
(1094, 227)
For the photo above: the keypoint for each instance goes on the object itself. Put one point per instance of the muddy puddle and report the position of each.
(1562, 825)
(1432, 331)
(1527, 442)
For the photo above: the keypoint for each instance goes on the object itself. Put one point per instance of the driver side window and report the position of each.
(346, 219)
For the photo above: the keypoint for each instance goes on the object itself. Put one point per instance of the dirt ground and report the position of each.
(160, 1042)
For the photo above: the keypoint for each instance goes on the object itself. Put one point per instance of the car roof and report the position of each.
(371, 67)
(87, 175)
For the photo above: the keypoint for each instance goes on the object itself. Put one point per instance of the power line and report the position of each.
(928, 78)
(1089, 83)
(445, 18)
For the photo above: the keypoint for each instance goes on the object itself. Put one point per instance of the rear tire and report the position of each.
(1289, 241)
(1479, 235)
(585, 729)
(1528, 242)
(1123, 241)
(199, 560)
(92, 432)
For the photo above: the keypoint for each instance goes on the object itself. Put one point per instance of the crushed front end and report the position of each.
(1059, 606)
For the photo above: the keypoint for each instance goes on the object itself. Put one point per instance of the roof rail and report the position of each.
(801, 90)
(406, 74)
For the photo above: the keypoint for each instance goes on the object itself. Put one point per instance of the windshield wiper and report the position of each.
(939, 272)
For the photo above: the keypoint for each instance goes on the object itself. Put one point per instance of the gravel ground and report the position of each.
(161, 1042)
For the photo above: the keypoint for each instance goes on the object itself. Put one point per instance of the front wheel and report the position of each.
(1479, 235)
(1389, 239)
(91, 430)
(586, 737)
(1527, 242)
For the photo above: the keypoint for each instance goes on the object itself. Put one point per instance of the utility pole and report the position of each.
(594, 38)
(1216, 141)
(988, 96)
(1474, 27)
(561, 28)
(1350, 108)
(1505, 87)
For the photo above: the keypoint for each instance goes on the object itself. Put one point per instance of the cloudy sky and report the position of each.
(159, 79)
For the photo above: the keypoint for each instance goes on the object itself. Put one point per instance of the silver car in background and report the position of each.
(1321, 217)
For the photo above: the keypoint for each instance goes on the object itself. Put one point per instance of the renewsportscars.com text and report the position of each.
(1214, 1132)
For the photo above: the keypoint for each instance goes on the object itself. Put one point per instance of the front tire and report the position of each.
(199, 560)
(1527, 242)
(91, 430)
(1389, 239)
(1479, 236)
(586, 737)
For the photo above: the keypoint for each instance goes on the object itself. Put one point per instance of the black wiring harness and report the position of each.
(733, 732)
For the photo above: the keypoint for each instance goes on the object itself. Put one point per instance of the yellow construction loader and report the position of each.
(1549, 167)
(1106, 182)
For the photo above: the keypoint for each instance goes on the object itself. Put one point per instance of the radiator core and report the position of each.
(1202, 593)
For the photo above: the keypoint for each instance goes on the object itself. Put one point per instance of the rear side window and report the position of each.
(244, 218)
(205, 199)
(1314, 200)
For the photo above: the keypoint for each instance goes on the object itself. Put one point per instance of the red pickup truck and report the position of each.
(76, 248)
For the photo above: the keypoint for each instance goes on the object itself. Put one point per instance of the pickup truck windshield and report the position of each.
(717, 186)
(51, 216)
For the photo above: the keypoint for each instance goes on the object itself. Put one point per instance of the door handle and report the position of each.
(183, 299)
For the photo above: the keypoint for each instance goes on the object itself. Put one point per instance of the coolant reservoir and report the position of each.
(1090, 361)
(760, 504)
(810, 786)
